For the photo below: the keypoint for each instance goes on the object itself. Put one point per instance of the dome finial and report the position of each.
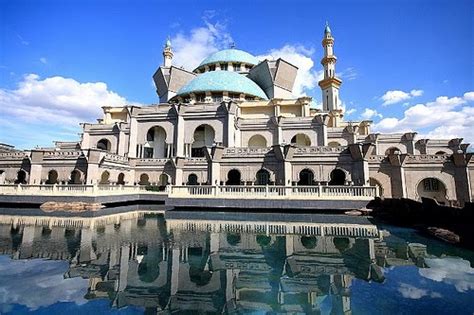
(327, 29)
(232, 45)
(168, 42)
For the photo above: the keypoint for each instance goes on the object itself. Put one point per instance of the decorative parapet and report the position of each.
(427, 158)
(319, 150)
(62, 155)
(110, 157)
(243, 152)
(195, 160)
(147, 162)
(376, 158)
(13, 155)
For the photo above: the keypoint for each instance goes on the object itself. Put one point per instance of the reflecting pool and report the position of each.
(212, 262)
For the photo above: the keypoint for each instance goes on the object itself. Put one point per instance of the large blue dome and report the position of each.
(216, 81)
(230, 55)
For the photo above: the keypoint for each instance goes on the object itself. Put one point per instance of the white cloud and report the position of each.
(450, 270)
(43, 60)
(348, 74)
(443, 118)
(350, 111)
(307, 77)
(370, 113)
(190, 49)
(396, 96)
(56, 99)
(21, 283)
(53, 103)
(411, 292)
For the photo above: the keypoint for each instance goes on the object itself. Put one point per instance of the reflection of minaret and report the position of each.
(330, 83)
(30, 232)
(341, 298)
(86, 252)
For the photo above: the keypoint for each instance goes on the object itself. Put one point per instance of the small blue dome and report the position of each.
(216, 81)
(230, 55)
(327, 29)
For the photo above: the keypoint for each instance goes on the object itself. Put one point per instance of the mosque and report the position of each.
(234, 121)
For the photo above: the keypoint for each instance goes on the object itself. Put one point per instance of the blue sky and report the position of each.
(406, 65)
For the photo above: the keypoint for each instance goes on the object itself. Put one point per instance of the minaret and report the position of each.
(167, 54)
(330, 84)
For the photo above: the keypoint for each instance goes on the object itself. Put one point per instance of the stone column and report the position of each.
(322, 121)
(462, 177)
(132, 142)
(399, 189)
(36, 167)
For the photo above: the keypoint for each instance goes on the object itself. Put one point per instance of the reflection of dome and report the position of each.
(218, 81)
(230, 55)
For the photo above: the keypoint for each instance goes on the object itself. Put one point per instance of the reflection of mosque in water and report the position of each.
(210, 266)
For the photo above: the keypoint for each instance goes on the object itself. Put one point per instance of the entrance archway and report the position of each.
(144, 179)
(233, 177)
(192, 179)
(52, 177)
(156, 143)
(375, 183)
(121, 179)
(301, 140)
(338, 177)
(432, 188)
(104, 178)
(306, 177)
(203, 137)
(262, 177)
(20, 177)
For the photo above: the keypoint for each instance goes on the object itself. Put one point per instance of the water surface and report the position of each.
(186, 262)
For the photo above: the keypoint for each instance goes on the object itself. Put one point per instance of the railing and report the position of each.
(240, 192)
(68, 190)
(275, 192)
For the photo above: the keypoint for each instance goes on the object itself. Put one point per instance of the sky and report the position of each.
(407, 65)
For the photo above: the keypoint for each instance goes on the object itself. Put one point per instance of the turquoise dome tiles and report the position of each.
(230, 55)
(216, 81)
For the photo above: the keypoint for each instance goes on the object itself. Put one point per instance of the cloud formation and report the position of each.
(444, 118)
(56, 104)
(56, 100)
(450, 270)
(397, 96)
(191, 48)
(411, 292)
(370, 113)
(21, 283)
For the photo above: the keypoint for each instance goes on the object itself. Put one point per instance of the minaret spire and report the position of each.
(330, 83)
(167, 54)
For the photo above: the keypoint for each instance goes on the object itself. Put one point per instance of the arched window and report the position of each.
(301, 140)
(432, 188)
(164, 180)
(20, 177)
(52, 177)
(121, 179)
(75, 177)
(338, 177)
(257, 141)
(262, 177)
(104, 144)
(192, 179)
(144, 179)
(392, 150)
(203, 137)
(155, 147)
(306, 177)
(104, 178)
(233, 177)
